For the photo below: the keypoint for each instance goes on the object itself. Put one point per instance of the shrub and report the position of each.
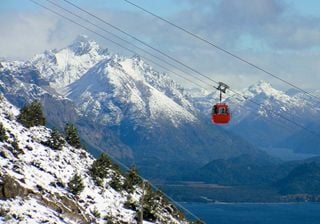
(96, 213)
(132, 179)
(99, 168)
(72, 136)
(115, 183)
(75, 185)
(56, 140)
(31, 115)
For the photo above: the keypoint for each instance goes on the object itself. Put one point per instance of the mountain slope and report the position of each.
(150, 113)
(303, 179)
(34, 182)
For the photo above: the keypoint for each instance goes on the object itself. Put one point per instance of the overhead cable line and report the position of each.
(129, 43)
(84, 27)
(183, 64)
(141, 41)
(114, 42)
(224, 50)
(246, 98)
(102, 36)
(278, 114)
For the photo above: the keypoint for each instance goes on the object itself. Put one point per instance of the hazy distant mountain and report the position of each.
(262, 122)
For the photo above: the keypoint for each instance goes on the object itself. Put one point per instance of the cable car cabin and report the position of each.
(220, 114)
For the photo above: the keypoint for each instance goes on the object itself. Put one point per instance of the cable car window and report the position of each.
(222, 110)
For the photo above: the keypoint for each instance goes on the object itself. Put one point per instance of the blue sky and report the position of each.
(282, 36)
(308, 7)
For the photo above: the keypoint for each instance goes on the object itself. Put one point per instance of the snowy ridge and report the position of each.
(41, 174)
(65, 66)
(272, 102)
(107, 86)
(124, 86)
(263, 124)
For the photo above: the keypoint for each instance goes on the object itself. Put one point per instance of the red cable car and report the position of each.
(220, 112)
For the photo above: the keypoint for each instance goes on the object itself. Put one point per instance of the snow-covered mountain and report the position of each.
(34, 182)
(131, 88)
(260, 113)
(121, 105)
(62, 67)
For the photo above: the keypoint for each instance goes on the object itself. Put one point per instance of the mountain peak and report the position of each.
(83, 45)
(263, 87)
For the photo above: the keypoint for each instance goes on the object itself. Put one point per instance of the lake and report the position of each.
(250, 213)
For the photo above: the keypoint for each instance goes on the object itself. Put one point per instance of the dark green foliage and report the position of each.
(96, 213)
(72, 136)
(111, 220)
(132, 179)
(130, 204)
(31, 115)
(99, 168)
(76, 184)
(3, 133)
(56, 140)
(150, 204)
(155, 201)
(115, 183)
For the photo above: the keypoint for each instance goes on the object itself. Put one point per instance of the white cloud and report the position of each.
(25, 34)
(280, 41)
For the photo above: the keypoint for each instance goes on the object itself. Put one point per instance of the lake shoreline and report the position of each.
(253, 213)
(233, 194)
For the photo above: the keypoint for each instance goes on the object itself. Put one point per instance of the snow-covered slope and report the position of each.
(34, 182)
(271, 99)
(125, 87)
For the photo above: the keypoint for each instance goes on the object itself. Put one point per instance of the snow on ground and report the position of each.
(46, 172)
(41, 167)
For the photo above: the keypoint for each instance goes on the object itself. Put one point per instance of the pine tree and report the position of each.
(31, 115)
(132, 179)
(72, 136)
(56, 140)
(99, 168)
(115, 183)
(76, 184)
